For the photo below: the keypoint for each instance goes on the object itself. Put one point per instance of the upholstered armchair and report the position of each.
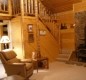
(15, 66)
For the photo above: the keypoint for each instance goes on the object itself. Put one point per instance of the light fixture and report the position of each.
(5, 40)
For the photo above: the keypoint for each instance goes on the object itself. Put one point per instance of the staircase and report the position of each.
(51, 25)
(64, 55)
(47, 18)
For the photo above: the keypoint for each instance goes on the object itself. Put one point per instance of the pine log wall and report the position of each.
(67, 36)
(48, 45)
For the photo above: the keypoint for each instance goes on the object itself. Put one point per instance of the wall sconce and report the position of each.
(5, 40)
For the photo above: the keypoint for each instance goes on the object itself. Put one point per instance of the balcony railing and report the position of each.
(16, 10)
(3, 6)
(29, 7)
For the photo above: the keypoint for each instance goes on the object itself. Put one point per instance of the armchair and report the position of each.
(15, 66)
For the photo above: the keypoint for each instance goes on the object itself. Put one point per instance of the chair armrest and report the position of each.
(26, 60)
(16, 65)
(16, 68)
(21, 64)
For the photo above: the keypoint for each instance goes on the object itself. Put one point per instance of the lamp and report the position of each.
(5, 39)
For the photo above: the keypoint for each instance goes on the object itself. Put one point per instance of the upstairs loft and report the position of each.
(12, 8)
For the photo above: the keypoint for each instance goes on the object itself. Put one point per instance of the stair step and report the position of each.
(64, 55)
(61, 59)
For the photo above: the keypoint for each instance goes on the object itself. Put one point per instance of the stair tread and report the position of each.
(64, 55)
(61, 59)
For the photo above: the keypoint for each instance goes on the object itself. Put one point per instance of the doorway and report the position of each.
(4, 32)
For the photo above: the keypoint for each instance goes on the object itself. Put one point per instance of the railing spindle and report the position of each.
(29, 7)
(4, 6)
(15, 7)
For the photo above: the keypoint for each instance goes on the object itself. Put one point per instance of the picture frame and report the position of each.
(30, 27)
(42, 32)
(31, 37)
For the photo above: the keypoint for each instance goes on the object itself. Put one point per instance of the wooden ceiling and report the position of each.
(59, 5)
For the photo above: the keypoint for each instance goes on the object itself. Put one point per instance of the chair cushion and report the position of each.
(9, 54)
(14, 60)
(28, 66)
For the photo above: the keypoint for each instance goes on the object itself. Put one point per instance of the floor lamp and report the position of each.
(5, 40)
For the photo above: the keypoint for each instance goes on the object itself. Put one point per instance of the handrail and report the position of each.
(46, 17)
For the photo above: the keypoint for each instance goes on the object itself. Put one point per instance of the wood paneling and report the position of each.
(59, 5)
(67, 39)
(80, 6)
(16, 35)
(48, 45)
(67, 36)
(66, 17)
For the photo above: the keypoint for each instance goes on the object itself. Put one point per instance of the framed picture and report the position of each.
(31, 37)
(30, 27)
(42, 32)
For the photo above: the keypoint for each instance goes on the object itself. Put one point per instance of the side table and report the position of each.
(42, 59)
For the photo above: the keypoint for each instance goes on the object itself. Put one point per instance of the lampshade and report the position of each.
(5, 39)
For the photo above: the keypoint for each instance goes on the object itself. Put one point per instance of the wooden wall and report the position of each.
(29, 47)
(80, 6)
(20, 39)
(66, 17)
(16, 35)
(67, 36)
(48, 45)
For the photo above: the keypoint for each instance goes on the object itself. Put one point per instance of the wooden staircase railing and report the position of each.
(27, 10)
(46, 17)
(29, 7)
(16, 8)
(3, 6)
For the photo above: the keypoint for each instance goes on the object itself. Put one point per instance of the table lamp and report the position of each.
(5, 40)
